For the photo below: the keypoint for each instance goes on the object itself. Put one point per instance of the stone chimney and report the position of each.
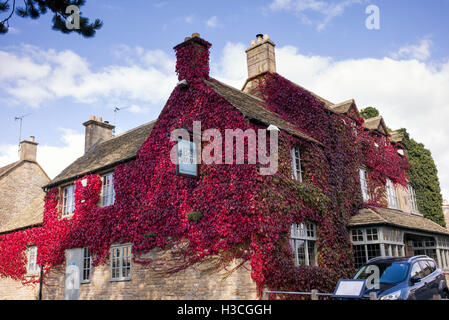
(97, 131)
(260, 56)
(192, 58)
(28, 149)
(260, 59)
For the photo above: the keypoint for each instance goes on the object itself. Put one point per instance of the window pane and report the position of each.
(87, 264)
(392, 198)
(311, 252)
(301, 252)
(359, 255)
(296, 164)
(364, 185)
(373, 250)
(187, 157)
(107, 190)
(371, 234)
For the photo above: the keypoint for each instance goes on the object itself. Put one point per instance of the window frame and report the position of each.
(32, 250)
(307, 235)
(120, 267)
(195, 154)
(85, 269)
(295, 154)
(363, 179)
(392, 195)
(110, 190)
(64, 206)
(412, 197)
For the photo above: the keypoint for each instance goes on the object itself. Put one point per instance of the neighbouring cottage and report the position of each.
(21, 208)
(125, 222)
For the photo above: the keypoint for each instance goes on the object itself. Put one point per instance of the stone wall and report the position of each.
(151, 282)
(19, 187)
(14, 290)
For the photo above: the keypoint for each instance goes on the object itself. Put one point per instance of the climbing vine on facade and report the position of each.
(230, 211)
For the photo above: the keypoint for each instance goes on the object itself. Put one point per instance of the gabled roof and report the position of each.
(109, 153)
(4, 170)
(32, 215)
(378, 216)
(252, 108)
(376, 124)
(345, 106)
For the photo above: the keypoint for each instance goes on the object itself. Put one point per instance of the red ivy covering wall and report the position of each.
(243, 214)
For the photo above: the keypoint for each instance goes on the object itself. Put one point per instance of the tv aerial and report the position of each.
(117, 109)
(20, 119)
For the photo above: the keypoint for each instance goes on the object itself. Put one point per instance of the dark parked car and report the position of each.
(404, 278)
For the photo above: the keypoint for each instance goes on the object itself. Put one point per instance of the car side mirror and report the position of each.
(415, 279)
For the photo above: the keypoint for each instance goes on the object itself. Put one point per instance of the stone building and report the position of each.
(21, 206)
(397, 229)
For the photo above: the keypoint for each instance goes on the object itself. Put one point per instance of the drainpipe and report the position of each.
(40, 283)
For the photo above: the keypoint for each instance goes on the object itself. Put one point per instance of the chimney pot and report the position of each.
(260, 56)
(32, 138)
(195, 35)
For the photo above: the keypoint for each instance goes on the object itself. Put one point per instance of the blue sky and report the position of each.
(402, 68)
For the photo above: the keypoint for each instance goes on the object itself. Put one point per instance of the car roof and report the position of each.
(398, 259)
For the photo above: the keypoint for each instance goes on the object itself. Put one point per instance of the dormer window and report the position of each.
(392, 197)
(297, 170)
(364, 184)
(107, 190)
(68, 201)
(187, 160)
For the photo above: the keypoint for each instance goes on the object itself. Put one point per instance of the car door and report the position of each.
(417, 290)
(429, 284)
(433, 279)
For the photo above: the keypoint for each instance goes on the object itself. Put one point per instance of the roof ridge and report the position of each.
(9, 167)
(131, 130)
(231, 87)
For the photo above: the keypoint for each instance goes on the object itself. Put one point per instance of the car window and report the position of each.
(425, 267)
(416, 270)
(433, 266)
(389, 273)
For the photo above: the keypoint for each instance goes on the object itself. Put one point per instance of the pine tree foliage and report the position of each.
(35, 8)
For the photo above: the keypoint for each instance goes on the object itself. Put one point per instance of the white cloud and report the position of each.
(408, 93)
(189, 19)
(212, 22)
(53, 159)
(304, 9)
(420, 51)
(31, 76)
(231, 68)
(137, 109)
